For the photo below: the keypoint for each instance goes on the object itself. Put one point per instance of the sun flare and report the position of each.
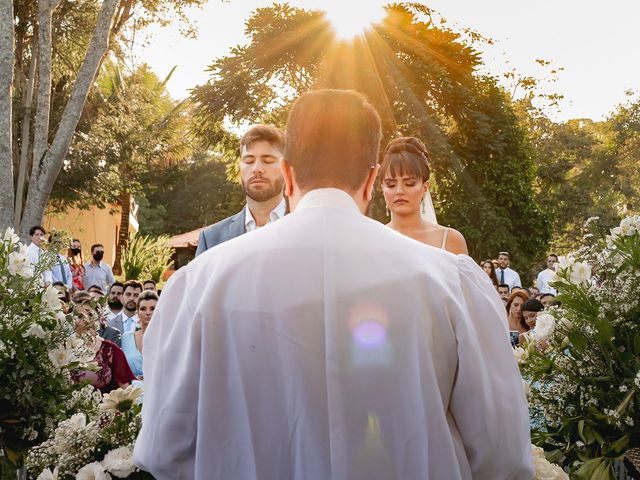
(350, 19)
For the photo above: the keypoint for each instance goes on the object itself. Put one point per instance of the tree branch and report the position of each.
(6, 79)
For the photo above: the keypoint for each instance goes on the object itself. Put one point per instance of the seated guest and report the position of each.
(113, 370)
(503, 291)
(96, 292)
(127, 320)
(530, 310)
(132, 341)
(534, 292)
(514, 312)
(546, 299)
(490, 270)
(149, 285)
(114, 300)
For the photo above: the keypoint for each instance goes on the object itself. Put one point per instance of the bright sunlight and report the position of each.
(350, 19)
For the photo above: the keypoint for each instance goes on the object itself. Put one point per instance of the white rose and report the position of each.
(60, 357)
(521, 355)
(48, 474)
(545, 325)
(544, 469)
(10, 236)
(50, 299)
(119, 462)
(580, 273)
(92, 471)
(19, 263)
(77, 421)
(34, 330)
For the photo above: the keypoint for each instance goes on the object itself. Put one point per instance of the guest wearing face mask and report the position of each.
(96, 272)
(76, 264)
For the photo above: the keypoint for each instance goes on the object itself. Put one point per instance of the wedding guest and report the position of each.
(261, 150)
(76, 264)
(490, 270)
(506, 274)
(35, 251)
(63, 292)
(405, 181)
(127, 319)
(96, 271)
(514, 312)
(545, 276)
(546, 299)
(149, 285)
(114, 300)
(96, 292)
(373, 356)
(530, 310)
(113, 370)
(534, 292)
(132, 341)
(503, 291)
(60, 271)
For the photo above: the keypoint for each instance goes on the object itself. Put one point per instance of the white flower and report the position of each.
(544, 469)
(521, 355)
(92, 471)
(10, 236)
(119, 462)
(60, 357)
(77, 421)
(48, 474)
(19, 263)
(50, 299)
(527, 388)
(565, 262)
(121, 399)
(545, 325)
(580, 273)
(34, 330)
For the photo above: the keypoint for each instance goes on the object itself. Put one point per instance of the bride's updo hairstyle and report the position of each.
(406, 156)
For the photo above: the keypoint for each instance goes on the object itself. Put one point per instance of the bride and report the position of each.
(405, 185)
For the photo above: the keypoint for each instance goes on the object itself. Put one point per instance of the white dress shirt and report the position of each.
(276, 213)
(359, 354)
(34, 253)
(511, 277)
(544, 277)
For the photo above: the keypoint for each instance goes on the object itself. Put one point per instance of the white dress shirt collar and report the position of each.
(276, 213)
(327, 197)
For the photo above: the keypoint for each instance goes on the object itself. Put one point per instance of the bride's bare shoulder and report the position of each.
(456, 242)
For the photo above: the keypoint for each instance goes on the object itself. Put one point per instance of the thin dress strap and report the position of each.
(444, 238)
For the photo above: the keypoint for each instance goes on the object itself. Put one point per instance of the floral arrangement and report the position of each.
(37, 351)
(96, 444)
(581, 364)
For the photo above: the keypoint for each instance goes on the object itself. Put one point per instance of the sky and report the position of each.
(596, 43)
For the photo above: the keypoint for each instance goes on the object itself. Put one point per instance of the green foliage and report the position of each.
(146, 257)
(422, 77)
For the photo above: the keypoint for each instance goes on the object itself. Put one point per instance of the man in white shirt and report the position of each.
(545, 276)
(261, 150)
(127, 319)
(328, 346)
(505, 274)
(96, 272)
(36, 253)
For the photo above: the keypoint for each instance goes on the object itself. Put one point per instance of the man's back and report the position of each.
(327, 346)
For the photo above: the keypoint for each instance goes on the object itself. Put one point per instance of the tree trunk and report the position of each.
(6, 122)
(123, 233)
(47, 167)
(25, 136)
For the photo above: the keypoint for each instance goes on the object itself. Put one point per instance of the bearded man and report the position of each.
(261, 150)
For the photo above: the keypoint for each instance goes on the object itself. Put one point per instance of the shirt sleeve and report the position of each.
(202, 244)
(488, 401)
(110, 278)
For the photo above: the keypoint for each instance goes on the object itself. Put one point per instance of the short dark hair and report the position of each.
(96, 245)
(543, 295)
(116, 284)
(58, 284)
(149, 281)
(35, 228)
(266, 133)
(131, 284)
(532, 305)
(95, 288)
(553, 255)
(333, 139)
(502, 285)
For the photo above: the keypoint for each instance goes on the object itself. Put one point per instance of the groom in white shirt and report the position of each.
(328, 346)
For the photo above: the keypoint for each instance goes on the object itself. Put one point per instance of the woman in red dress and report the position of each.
(76, 264)
(113, 369)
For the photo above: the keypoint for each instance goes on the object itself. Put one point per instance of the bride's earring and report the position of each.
(386, 208)
(422, 204)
